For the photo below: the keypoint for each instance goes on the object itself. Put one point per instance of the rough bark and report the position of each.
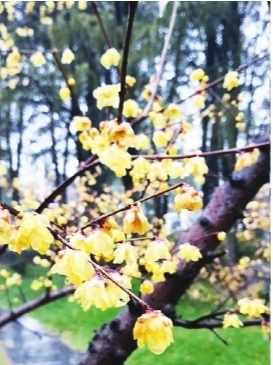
(113, 342)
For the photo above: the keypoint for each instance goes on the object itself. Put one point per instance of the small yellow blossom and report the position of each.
(110, 58)
(231, 80)
(159, 120)
(100, 243)
(221, 236)
(67, 56)
(157, 250)
(187, 198)
(130, 81)
(189, 252)
(252, 307)
(161, 138)
(102, 293)
(247, 159)
(116, 159)
(172, 112)
(107, 95)
(199, 101)
(135, 221)
(157, 172)
(131, 109)
(232, 320)
(13, 58)
(73, 264)
(64, 93)
(71, 81)
(80, 124)
(147, 287)
(197, 75)
(154, 330)
(142, 142)
(125, 252)
(32, 232)
(37, 59)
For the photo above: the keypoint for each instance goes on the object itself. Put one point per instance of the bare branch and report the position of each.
(128, 34)
(34, 304)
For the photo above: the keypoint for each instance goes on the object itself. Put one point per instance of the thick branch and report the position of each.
(113, 343)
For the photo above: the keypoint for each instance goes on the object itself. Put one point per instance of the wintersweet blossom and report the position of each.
(154, 330)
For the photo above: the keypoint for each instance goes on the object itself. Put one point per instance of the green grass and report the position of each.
(192, 347)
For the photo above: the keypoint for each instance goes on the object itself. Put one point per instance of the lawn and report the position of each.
(192, 347)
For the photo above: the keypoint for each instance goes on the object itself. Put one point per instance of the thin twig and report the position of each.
(126, 207)
(66, 79)
(128, 34)
(204, 154)
(162, 59)
(102, 27)
(210, 85)
(59, 189)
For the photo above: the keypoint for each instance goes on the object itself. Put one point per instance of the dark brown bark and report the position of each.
(113, 342)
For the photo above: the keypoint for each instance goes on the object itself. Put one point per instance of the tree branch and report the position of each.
(128, 34)
(113, 344)
(34, 304)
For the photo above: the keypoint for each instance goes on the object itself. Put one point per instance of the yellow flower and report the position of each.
(71, 81)
(99, 145)
(159, 120)
(135, 221)
(107, 95)
(125, 252)
(122, 133)
(141, 167)
(189, 252)
(161, 138)
(196, 166)
(147, 287)
(131, 270)
(32, 232)
(130, 81)
(187, 198)
(64, 93)
(100, 243)
(231, 80)
(172, 112)
(247, 159)
(116, 159)
(3, 169)
(157, 172)
(221, 236)
(82, 5)
(13, 58)
(154, 330)
(80, 124)
(37, 59)
(110, 58)
(93, 292)
(157, 250)
(67, 56)
(232, 320)
(142, 142)
(252, 307)
(197, 75)
(73, 264)
(131, 109)
(199, 101)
